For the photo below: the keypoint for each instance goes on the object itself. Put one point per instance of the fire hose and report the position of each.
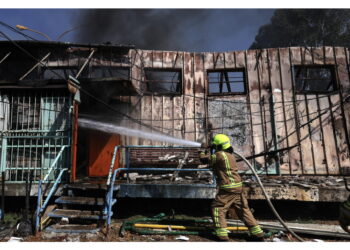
(267, 198)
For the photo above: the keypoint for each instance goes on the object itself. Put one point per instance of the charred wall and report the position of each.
(309, 131)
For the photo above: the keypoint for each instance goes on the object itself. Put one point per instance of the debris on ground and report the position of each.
(15, 239)
(183, 238)
(24, 228)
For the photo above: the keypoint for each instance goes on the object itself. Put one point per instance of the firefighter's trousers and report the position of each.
(226, 200)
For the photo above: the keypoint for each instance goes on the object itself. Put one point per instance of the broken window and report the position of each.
(159, 81)
(314, 79)
(226, 82)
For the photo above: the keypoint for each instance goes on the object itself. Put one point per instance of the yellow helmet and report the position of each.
(221, 140)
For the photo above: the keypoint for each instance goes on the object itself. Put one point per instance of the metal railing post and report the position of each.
(38, 209)
(110, 185)
(53, 190)
(54, 163)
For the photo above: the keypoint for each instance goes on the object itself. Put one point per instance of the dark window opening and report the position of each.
(109, 72)
(160, 81)
(226, 82)
(315, 79)
(51, 73)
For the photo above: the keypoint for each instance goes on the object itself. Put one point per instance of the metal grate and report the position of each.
(35, 133)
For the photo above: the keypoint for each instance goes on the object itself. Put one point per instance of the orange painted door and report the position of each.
(101, 148)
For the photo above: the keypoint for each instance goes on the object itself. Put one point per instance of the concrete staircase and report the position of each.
(84, 206)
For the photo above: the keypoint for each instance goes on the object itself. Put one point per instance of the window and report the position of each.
(226, 82)
(109, 72)
(314, 79)
(159, 81)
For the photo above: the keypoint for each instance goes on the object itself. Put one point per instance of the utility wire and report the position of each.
(112, 108)
(17, 31)
(82, 90)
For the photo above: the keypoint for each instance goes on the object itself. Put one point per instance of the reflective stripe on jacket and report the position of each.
(226, 170)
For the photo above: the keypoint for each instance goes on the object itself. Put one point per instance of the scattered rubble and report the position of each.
(302, 181)
(15, 239)
(182, 238)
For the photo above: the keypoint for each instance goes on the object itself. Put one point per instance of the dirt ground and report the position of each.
(114, 236)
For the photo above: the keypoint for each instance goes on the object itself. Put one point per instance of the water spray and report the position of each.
(115, 129)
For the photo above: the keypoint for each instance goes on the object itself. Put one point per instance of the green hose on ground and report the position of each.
(161, 218)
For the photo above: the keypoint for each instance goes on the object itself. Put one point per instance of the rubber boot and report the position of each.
(221, 234)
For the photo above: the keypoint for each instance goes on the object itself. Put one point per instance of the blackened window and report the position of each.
(314, 79)
(159, 81)
(226, 82)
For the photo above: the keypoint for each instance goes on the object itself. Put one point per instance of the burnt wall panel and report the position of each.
(190, 130)
(200, 94)
(313, 120)
(306, 146)
(278, 107)
(340, 119)
(255, 106)
(286, 76)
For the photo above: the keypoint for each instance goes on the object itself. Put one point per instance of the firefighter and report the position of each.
(344, 215)
(230, 189)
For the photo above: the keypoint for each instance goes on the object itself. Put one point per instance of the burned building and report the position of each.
(286, 109)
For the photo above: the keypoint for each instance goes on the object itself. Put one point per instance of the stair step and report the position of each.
(78, 214)
(74, 200)
(72, 228)
(86, 186)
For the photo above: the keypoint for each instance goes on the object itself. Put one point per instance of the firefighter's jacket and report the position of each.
(225, 169)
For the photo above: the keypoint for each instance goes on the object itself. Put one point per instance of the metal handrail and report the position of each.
(112, 164)
(54, 163)
(41, 208)
(112, 177)
(110, 185)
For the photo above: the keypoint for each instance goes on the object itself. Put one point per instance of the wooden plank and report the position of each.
(157, 114)
(135, 103)
(169, 59)
(219, 60)
(229, 60)
(254, 97)
(148, 60)
(178, 60)
(306, 55)
(199, 92)
(240, 59)
(279, 109)
(188, 97)
(328, 56)
(178, 117)
(135, 71)
(146, 115)
(209, 61)
(342, 69)
(264, 92)
(288, 99)
(306, 146)
(317, 136)
(305, 141)
(168, 115)
(339, 130)
(330, 145)
(157, 57)
(339, 115)
(318, 55)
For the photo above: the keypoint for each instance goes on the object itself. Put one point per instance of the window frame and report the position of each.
(315, 66)
(245, 83)
(181, 77)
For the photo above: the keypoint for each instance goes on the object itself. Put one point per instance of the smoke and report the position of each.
(146, 28)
